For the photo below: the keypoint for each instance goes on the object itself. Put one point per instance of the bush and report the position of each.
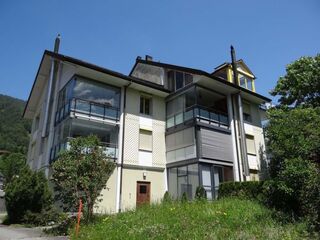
(44, 218)
(250, 190)
(27, 193)
(296, 190)
(201, 193)
(167, 198)
(184, 197)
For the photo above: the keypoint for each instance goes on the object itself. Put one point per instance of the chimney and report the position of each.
(138, 58)
(234, 66)
(148, 58)
(57, 44)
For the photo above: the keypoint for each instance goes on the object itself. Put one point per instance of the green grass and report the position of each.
(223, 219)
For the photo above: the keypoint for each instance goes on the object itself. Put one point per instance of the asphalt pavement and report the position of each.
(15, 232)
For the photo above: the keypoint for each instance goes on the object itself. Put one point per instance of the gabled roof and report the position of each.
(228, 64)
(44, 64)
(201, 72)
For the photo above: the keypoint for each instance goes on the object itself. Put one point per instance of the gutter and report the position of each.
(122, 147)
(50, 89)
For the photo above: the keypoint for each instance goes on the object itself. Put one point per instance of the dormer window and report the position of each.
(245, 82)
(178, 79)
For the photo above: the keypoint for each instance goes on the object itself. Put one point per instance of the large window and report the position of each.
(145, 105)
(88, 97)
(184, 179)
(145, 140)
(178, 79)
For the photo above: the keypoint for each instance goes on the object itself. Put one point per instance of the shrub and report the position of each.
(45, 217)
(184, 197)
(167, 198)
(250, 190)
(296, 190)
(201, 193)
(27, 192)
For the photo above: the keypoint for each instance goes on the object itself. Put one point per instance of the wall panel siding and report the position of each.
(216, 145)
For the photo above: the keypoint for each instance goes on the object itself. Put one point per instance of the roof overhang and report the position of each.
(223, 86)
(88, 70)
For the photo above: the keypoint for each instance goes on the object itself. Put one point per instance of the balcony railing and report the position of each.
(88, 108)
(202, 114)
(109, 149)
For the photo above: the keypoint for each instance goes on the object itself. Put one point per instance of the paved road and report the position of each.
(8, 233)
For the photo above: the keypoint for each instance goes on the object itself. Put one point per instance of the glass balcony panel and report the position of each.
(111, 113)
(224, 119)
(97, 110)
(214, 117)
(204, 114)
(188, 115)
(179, 118)
(170, 122)
(82, 106)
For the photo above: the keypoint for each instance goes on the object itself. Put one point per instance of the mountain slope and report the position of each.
(14, 130)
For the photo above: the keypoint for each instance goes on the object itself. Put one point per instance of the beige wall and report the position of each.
(129, 187)
(133, 124)
(108, 203)
(255, 129)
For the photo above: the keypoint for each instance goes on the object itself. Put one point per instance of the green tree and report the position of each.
(11, 165)
(14, 130)
(301, 84)
(27, 192)
(81, 173)
(292, 133)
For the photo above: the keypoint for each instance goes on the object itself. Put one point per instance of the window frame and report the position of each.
(173, 78)
(142, 110)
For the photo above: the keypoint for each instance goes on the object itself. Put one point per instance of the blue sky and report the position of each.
(266, 34)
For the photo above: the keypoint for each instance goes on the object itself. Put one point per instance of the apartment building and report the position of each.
(167, 127)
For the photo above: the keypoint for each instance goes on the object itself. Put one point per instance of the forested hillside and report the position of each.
(14, 130)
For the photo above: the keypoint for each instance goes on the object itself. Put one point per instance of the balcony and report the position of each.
(109, 149)
(79, 106)
(200, 114)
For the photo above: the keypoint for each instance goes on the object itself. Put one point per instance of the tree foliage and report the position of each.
(293, 133)
(11, 165)
(28, 192)
(14, 130)
(301, 84)
(81, 173)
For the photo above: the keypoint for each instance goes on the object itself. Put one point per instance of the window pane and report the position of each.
(193, 178)
(179, 80)
(182, 171)
(172, 182)
(171, 80)
(249, 84)
(188, 78)
(179, 118)
(147, 106)
(145, 140)
(141, 105)
(243, 81)
(97, 92)
(170, 122)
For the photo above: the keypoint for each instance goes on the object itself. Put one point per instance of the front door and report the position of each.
(143, 193)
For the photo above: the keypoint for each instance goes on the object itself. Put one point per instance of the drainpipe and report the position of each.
(122, 147)
(243, 145)
(50, 84)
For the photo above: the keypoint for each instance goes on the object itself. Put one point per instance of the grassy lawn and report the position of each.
(223, 219)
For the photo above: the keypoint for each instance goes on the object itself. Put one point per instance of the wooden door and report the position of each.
(143, 193)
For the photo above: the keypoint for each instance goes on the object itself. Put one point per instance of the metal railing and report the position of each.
(109, 149)
(200, 113)
(88, 108)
